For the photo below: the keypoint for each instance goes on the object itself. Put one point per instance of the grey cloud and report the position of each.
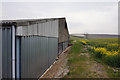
(91, 17)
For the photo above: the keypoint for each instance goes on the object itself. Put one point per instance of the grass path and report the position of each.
(83, 65)
(92, 69)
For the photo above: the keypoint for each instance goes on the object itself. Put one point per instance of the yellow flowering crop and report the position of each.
(83, 42)
(92, 47)
(112, 47)
(107, 50)
(115, 44)
(87, 40)
(100, 50)
(113, 53)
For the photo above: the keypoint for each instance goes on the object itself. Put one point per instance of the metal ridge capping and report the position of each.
(40, 27)
(28, 20)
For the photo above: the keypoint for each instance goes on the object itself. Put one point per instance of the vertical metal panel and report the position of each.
(55, 28)
(43, 34)
(0, 53)
(53, 49)
(22, 56)
(66, 44)
(6, 54)
(44, 44)
(37, 54)
(49, 29)
(24, 30)
(30, 30)
(40, 29)
(18, 57)
(34, 26)
(63, 46)
(60, 46)
(19, 31)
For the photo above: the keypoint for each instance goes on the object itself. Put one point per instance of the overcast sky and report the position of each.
(82, 17)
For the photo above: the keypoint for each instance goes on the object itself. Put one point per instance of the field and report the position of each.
(94, 58)
(106, 50)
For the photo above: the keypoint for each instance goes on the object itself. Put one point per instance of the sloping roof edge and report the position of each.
(23, 22)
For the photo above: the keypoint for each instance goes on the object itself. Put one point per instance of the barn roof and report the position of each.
(22, 22)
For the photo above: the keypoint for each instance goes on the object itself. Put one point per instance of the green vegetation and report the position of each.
(85, 53)
(107, 50)
(75, 60)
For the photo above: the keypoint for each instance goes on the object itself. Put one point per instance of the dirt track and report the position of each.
(93, 68)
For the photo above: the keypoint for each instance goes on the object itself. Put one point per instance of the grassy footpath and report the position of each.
(83, 65)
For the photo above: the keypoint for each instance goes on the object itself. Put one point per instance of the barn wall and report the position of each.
(0, 53)
(63, 31)
(37, 54)
(39, 46)
(62, 46)
(63, 36)
(36, 47)
(66, 34)
(48, 29)
(6, 52)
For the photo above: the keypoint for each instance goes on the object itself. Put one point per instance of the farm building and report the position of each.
(29, 47)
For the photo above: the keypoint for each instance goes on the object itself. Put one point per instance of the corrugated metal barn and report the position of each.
(29, 47)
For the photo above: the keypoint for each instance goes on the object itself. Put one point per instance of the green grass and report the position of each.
(76, 62)
(74, 38)
(106, 43)
(109, 69)
(78, 66)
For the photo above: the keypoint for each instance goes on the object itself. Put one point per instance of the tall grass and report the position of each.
(76, 48)
(107, 50)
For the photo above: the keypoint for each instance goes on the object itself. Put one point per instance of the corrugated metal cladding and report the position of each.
(6, 52)
(48, 28)
(62, 46)
(37, 45)
(37, 54)
(0, 53)
(65, 45)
